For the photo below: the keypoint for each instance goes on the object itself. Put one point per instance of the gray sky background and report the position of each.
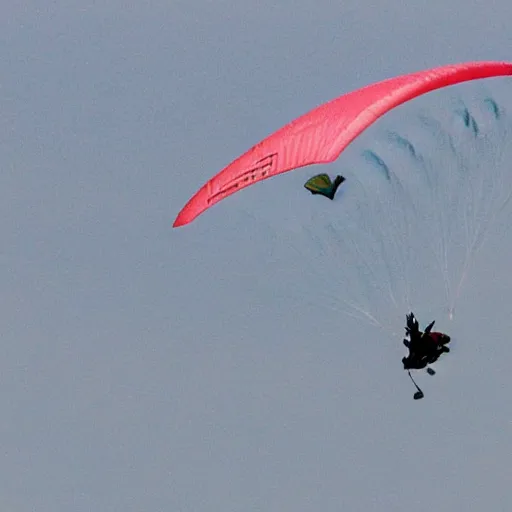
(151, 369)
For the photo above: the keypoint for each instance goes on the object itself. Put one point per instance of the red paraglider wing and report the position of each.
(322, 134)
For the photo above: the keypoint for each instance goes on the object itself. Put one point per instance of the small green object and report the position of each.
(322, 184)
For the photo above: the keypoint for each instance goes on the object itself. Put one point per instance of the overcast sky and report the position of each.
(151, 369)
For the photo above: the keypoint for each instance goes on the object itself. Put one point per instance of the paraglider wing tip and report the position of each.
(186, 216)
(180, 220)
(196, 205)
